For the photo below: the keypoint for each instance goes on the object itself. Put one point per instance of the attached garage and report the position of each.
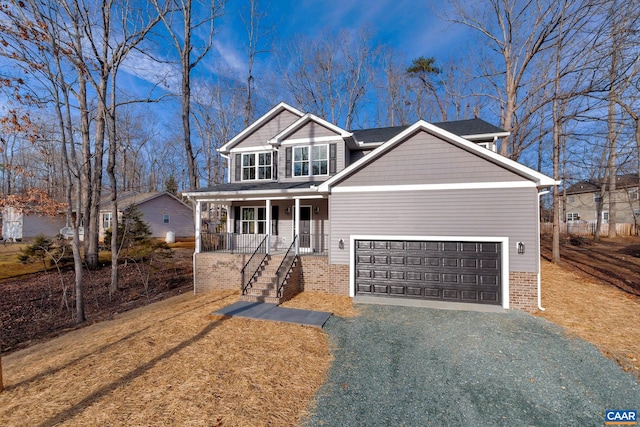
(434, 269)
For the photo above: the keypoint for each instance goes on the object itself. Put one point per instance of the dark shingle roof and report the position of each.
(469, 127)
(622, 181)
(457, 127)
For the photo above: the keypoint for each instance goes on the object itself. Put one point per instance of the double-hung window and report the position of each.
(573, 216)
(311, 160)
(300, 161)
(320, 159)
(254, 220)
(257, 166)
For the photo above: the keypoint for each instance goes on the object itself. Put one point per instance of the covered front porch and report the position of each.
(256, 241)
(243, 226)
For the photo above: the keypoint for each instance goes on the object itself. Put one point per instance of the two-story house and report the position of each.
(583, 201)
(421, 212)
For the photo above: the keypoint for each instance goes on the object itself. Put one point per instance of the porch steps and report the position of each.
(264, 287)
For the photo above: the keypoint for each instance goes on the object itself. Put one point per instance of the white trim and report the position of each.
(265, 118)
(504, 255)
(335, 138)
(538, 178)
(434, 187)
(486, 135)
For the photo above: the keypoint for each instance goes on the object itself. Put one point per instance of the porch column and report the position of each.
(198, 224)
(268, 230)
(229, 219)
(297, 225)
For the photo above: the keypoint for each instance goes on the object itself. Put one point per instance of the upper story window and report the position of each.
(633, 194)
(311, 160)
(257, 166)
(166, 218)
(597, 198)
(300, 161)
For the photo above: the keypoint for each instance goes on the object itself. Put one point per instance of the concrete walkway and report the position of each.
(265, 311)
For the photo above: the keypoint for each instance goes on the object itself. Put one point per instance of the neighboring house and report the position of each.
(420, 212)
(18, 224)
(583, 197)
(162, 211)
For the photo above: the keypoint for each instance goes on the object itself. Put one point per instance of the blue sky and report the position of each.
(413, 29)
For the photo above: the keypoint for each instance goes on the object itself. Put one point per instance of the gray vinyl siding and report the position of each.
(312, 130)
(426, 159)
(340, 161)
(483, 213)
(259, 138)
(181, 217)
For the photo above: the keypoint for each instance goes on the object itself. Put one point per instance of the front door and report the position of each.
(305, 227)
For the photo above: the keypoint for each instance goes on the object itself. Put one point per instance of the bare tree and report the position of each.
(254, 22)
(183, 20)
(330, 76)
(517, 32)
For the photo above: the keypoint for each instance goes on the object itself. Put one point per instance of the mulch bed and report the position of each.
(32, 308)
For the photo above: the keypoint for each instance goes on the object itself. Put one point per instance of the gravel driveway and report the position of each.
(405, 366)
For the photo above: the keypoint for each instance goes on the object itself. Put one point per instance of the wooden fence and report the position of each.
(589, 229)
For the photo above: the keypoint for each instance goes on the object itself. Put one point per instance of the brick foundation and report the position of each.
(523, 291)
(312, 273)
(218, 271)
(320, 276)
(315, 274)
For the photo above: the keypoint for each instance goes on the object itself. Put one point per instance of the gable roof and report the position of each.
(258, 123)
(538, 178)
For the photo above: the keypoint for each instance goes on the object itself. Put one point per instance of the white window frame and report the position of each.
(573, 216)
(107, 220)
(605, 217)
(312, 161)
(166, 218)
(633, 194)
(254, 169)
(253, 225)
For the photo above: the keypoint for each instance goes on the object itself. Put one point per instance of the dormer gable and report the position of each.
(270, 124)
(310, 128)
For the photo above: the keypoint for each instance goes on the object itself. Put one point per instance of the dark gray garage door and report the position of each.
(436, 270)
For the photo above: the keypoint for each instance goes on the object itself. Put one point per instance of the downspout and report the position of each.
(540, 194)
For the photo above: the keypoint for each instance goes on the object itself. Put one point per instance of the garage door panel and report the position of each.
(447, 270)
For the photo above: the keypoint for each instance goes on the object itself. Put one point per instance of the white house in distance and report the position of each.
(18, 224)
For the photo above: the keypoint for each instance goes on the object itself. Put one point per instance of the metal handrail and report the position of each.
(280, 283)
(262, 248)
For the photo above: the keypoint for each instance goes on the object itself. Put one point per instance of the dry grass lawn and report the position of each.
(598, 313)
(172, 363)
